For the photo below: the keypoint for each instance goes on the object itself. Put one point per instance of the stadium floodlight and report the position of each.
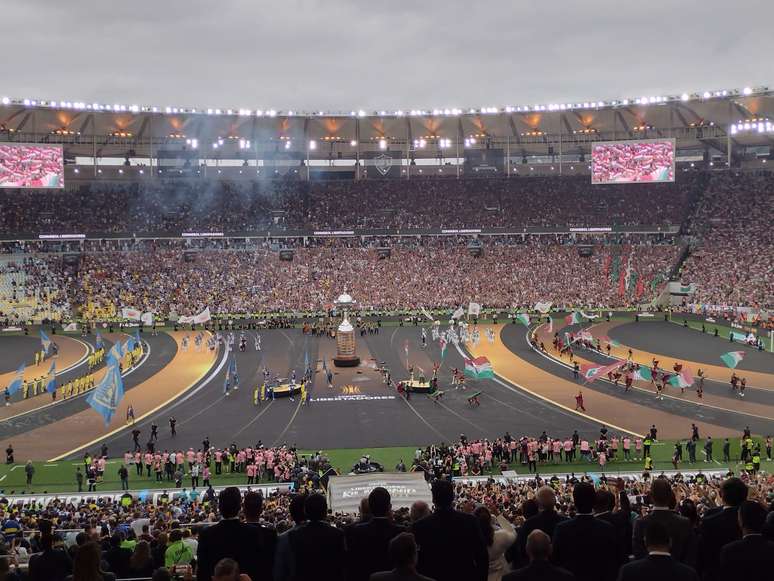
(6, 100)
(287, 144)
(684, 97)
(26, 102)
(419, 143)
(76, 170)
(217, 111)
(209, 111)
(382, 144)
(272, 113)
(312, 145)
(142, 172)
(399, 113)
(747, 91)
(707, 95)
(353, 143)
(121, 171)
(361, 113)
(258, 113)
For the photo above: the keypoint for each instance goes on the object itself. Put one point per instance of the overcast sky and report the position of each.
(373, 54)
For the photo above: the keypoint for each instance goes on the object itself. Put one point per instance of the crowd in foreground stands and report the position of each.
(668, 527)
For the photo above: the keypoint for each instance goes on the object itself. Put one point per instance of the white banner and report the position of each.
(474, 310)
(458, 313)
(543, 307)
(345, 492)
(130, 313)
(69, 327)
(202, 317)
(147, 319)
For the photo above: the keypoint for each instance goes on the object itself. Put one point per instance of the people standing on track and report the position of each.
(130, 414)
(172, 425)
(154, 435)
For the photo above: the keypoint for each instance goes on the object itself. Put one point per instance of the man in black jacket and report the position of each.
(451, 545)
(538, 547)
(546, 520)
(368, 542)
(604, 509)
(318, 549)
(251, 546)
(584, 545)
(659, 564)
(720, 528)
(678, 527)
(51, 564)
(754, 554)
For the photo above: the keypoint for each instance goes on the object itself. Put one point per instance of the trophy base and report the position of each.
(352, 361)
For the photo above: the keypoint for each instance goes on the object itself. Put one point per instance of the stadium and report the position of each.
(563, 296)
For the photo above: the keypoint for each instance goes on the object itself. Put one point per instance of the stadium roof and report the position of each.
(707, 120)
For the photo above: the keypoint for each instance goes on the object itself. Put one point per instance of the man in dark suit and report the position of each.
(283, 560)
(604, 509)
(546, 520)
(678, 527)
(451, 545)
(584, 545)
(368, 542)
(754, 554)
(659, 564)
(251, 546)
(318, 549)
(538, 548)
(403, 553)
(721, 528)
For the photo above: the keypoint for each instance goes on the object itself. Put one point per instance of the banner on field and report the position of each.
(147, 319)
(345, 492)
(202, 317)
(543, 307)
(474, 310)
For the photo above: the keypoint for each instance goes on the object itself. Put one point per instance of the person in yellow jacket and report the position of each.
(648, 463)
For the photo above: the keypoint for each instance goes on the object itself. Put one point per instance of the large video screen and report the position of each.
(31, 166)
(619, 162)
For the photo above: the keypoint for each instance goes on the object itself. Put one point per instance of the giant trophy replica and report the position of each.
(345, 335)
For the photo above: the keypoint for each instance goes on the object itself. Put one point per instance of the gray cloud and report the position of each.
(342, 55)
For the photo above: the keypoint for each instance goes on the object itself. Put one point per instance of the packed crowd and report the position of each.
(733, 264)
(584, 528)
(433, 275)
(425, 203)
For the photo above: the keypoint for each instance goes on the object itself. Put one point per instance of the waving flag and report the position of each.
(732, 358)
(108, 394)
(523, 318)
(443, 344)
(51, 378)
(682, 380)
(543, 307)
(593, 371)
(573, 319)
(550, 324)
(458, 313)
(45, 341)
(643, 374)
(17, 381)
(478, 368)
(129, 345)
(116, 353)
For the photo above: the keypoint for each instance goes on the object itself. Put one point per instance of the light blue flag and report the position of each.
(129, 345)
(108, 394)
(99, 342)
(45, 341)
(17, 381)
(137, 340)
(116, 353)
(51, 378)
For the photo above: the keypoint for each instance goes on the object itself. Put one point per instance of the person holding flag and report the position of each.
(108, 394)
(51, 381)
(45, 342)
(17, 382)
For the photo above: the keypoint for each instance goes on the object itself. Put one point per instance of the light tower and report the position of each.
(345, 335)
